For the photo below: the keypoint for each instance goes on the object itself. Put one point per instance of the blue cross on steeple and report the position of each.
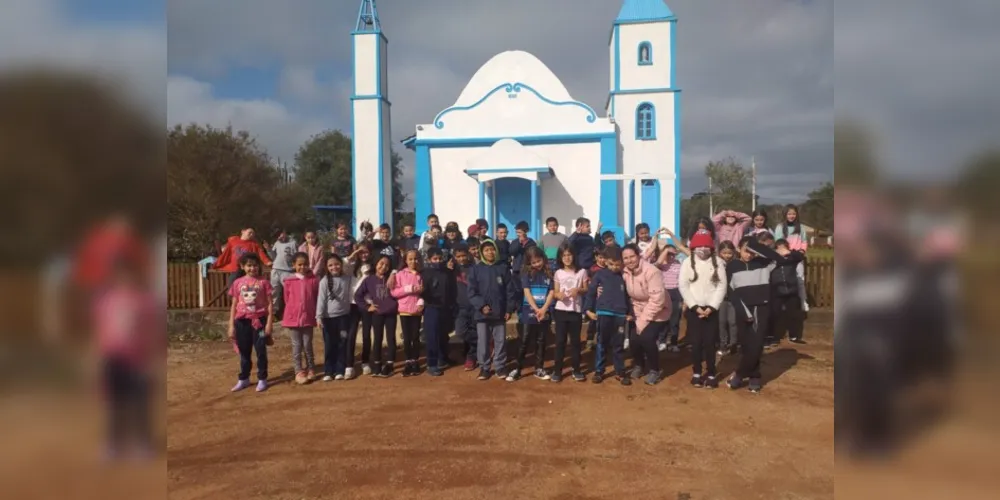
(368, 18)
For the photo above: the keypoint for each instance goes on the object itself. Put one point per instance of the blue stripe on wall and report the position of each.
(423, 198)
(609, 205)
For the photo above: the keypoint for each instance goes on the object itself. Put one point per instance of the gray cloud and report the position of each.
(757, 76)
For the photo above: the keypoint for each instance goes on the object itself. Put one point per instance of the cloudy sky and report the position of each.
(758, 76)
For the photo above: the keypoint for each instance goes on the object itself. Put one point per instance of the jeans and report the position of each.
(465, 329)
(674, 327)
(702, 335)
(366, 318)
(492, 335)
(433, 329)
(610, 337)
(250, 339)
(568, 325)
(351, 344)
(727, 325)
(537, 332)
(335, 337)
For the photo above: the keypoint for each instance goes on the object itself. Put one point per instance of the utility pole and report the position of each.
(753, 192)
(711, 204)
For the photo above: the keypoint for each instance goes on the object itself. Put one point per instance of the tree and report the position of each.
(817, 211)
(219, 181)
(731, 185)
(323, 170)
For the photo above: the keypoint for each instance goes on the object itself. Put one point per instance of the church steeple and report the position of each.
(368, 18)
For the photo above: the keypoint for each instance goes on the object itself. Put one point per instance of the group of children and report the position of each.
(741, 291)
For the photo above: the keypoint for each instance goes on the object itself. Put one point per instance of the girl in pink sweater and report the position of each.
(407, 288)
(730, 225)
(301, 292)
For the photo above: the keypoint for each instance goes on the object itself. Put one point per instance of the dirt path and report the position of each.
(458, 438)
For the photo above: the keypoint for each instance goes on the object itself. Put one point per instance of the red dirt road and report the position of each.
(458, 438)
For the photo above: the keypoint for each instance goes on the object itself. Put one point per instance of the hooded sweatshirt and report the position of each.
(439, 285)
(584, 246)
(300, 301)
(236, 247)
(490, 284)
(335, 295)
(373, 291)
(649, 297)
(315, 254)
(405, 292)
(282, 253)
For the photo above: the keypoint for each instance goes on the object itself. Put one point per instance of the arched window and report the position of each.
(645, 54)
(645, 122)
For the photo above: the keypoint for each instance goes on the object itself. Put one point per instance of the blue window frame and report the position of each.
(645, 122)
(645, 54)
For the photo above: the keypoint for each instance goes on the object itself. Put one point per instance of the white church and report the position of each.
(516, 146)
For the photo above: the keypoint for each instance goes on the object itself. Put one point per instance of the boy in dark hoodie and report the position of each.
(583, 243)
(609, 305)
(465, 314)
(517, 249)
(439, 294)
(491, 294)
(503, 246)
(409, 240)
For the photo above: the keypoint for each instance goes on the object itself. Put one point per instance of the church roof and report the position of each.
(635, 11)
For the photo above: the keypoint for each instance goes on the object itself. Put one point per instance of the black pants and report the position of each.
(350, 346)
(384, 326)
(610, 337)
(250, 339)
(787, 317)
(465, 329)
(536, 332)
(751, 337)
(568, 325)
(366, 319)
(673, 330)
(643, 345)
(128, 404)
(335, 335)
(411, 336)
(433, 331)
(703, 337)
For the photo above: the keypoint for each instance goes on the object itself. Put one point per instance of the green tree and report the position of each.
(323, 170)
(817, 211)
(219, 181)
(731, 185)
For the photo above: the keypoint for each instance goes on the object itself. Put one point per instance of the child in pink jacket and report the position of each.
(730, 225)
(301, 291)
(651, 306)
(407, 289)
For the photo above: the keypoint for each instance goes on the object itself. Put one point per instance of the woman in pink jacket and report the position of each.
(407, 289)
(651, 308)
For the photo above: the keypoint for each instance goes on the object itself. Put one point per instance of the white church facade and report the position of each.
(515, 145)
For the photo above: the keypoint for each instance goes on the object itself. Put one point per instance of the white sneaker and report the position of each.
(348, 373)
(513, 375)
(338, 377)
(719, 353)
(662, 346)
(366, 369)
(327, 378)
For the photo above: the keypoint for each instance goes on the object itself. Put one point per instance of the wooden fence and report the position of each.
(188, 290)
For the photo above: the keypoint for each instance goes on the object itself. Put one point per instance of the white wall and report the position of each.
(366, 159)
(572, 192)
(655, 156)
(656, 75)
(365, 64)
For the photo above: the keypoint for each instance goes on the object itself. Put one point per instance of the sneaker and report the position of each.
(327, 378)
(349, 374)
(261, 385)
(597, 378)
(624, 379)
(696, 380)
(661, 346)
(720, 353)
(514, 375)
(797, 341)
(556, 378)
(434, 372)
(300, 378)
(240, 385)
(469, 365)
(542, 374)
(579, 377)
(415, 369)
(376, 370)
(387, 370)
(310, 375)
(366, 369)
(338, 377)
(484, 374)
(443, 365)
(673, 348)
(734, 382)
(711, 382)
(755, 385)
(652, 378)
(407, 369)
(636, 372)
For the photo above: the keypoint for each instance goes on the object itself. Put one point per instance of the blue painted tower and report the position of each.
(371, 165)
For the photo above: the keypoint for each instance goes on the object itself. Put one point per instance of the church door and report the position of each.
(512, 198)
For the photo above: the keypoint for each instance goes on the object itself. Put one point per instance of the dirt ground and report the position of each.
(458, 438)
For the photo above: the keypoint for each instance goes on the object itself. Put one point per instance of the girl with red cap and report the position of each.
(703, 286)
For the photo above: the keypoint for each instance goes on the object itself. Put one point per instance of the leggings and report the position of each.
(365, 318)
(384, 326)
(673, 330)
(568, 325)
(411, 336)
(350, 345)
(536, 331)
(702, 335)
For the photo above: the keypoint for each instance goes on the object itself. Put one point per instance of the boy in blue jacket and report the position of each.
(492, 296)
(609, 305)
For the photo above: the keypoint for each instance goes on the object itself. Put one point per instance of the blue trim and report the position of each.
(354, 155)
(513, 89)
(423, 198)
(673, 55)
(649, 53)
(631, 207)
(677, 163)
(671, 19)
(371, 98)
(381, 160)
(609, 205)
(618, 59)
(610, 101)
(482, 201)
(525, 140)
(533, 229)
(511, 170)
(643, 11)
(639, 136)
(488, 201)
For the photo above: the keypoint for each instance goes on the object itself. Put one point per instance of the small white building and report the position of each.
(515, 145)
